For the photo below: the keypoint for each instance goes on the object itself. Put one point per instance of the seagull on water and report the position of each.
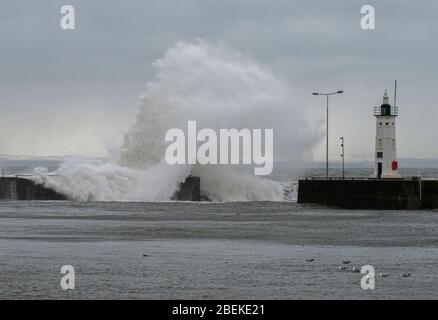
(342, 268)
(405, 275)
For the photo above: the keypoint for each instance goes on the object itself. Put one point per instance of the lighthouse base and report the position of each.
(389, 176)
(373, 194)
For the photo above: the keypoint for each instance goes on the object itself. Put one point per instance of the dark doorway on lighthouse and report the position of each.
(379, 170)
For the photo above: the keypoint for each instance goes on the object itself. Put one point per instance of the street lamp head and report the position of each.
(315, 93)
(340, 91)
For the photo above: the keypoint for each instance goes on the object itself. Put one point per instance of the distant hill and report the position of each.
(31, 161)
(403, 163)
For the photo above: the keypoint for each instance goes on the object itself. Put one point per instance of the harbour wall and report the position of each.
(385, 194)
(189, 190)
(16, 188)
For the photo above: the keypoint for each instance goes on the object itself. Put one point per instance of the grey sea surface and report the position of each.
(241, 250)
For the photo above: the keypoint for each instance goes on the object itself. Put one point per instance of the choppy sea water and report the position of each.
(241, 250)
(213, 251)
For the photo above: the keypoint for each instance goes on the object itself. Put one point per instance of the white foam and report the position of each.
(217, 87)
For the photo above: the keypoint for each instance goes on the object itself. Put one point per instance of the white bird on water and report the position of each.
(342, 268)
(383, 275)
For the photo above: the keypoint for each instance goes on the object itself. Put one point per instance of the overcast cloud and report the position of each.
(75, 92)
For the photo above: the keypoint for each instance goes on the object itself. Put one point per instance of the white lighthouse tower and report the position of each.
(386, 165)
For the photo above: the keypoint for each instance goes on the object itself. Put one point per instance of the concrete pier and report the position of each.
(15, 188)
(387, 194)
(190, 190)
(429, 191)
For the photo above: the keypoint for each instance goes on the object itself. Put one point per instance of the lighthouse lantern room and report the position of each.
(386, 165)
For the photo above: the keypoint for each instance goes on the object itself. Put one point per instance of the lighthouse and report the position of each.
(386, 165)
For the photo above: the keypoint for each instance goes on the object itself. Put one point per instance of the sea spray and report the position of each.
(108, 181)
(218, 88)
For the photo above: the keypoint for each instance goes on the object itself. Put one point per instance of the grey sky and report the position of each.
(74, 92)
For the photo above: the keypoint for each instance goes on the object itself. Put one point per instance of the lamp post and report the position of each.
(327, 137)
(343, 157)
